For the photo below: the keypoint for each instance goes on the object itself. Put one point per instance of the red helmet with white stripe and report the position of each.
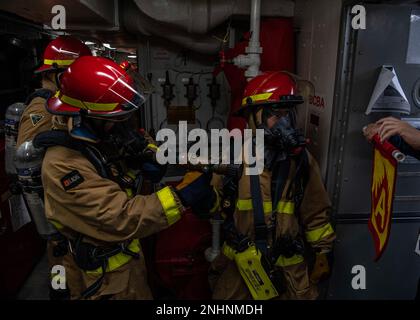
(62, 52)
(96, 87)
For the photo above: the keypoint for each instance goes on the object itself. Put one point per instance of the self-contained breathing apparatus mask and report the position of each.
(116, 137)
(282, 140)
(131, 142)
(138, 153)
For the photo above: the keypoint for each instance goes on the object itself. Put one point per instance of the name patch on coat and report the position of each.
(71, 180)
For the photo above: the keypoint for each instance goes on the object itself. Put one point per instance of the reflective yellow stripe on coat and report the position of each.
(286, 207)
(246, 204)
(169, 204)
(318, 234)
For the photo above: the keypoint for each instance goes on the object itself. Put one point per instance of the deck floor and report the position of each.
(36, 286)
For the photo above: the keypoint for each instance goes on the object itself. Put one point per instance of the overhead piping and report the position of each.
(136, 21)
(188, 22)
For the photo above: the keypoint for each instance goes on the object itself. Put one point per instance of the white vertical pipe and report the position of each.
(212, 252)
(255, 23)
(251, 60)
(254, 48)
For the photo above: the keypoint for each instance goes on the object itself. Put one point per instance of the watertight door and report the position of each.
(389, 39)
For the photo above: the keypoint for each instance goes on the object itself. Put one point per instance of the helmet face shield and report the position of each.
(127, 97)
(141, 84)
(127, 90)
(304, 88)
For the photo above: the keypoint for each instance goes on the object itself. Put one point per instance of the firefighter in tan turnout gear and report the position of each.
(90, 193)
(278, 216)
(58, 55)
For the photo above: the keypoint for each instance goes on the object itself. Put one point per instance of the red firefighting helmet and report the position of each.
(62, 52)
(96, 87)
(275, 89)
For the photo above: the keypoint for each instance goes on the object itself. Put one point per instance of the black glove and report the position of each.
(203, 208)
(196, 192)
(153, 171)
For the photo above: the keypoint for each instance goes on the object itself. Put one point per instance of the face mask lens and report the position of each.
(274, 113)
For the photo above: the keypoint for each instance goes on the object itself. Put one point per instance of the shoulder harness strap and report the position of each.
(41, 93)
(297, 188)
(62, 138)
(261, 230)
